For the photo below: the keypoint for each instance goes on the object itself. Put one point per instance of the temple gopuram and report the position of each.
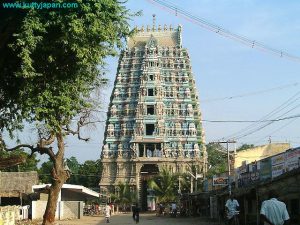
(154, 118)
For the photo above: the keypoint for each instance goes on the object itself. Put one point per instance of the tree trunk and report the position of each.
(49, 216)
(59, 176)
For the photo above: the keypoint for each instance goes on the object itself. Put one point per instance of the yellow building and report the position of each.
(259, 152)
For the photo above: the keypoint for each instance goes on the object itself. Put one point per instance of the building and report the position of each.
(279, 172)
(15, 187)
(154, 118)
(16, 195)
(69, 204)
(259, 152)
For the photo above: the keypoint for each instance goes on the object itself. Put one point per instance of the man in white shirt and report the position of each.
(232, 208)
(274, 212)
(174, 209)
(107, 212)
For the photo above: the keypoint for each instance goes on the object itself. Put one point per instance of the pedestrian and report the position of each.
(136, 213)
(232, 209)
(161, 208)
(273, 211)
(174, 209)
(107, 213)
(133, 212)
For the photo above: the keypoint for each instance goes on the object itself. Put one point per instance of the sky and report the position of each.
(234, 81)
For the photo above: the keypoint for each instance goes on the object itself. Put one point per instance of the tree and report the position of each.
(56, 61)
(217, 159)
(29, 163)
(89, 173)
(165, 186)
(124, 196)
(44, 172)
(245, 146)
(73, 166)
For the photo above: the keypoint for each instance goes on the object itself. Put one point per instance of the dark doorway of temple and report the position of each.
(147, 197)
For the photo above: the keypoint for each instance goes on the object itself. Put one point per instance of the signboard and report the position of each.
(278, 169)
(278, 159)
(278, 164)
(253, 167)
(243, 167)
(265, 171)
(246, 179)
(292, 159)
(199, 176)
(217, 181)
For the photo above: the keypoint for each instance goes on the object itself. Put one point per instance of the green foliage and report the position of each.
(185, 182)
(45, 171)
(51, 61)
(245, 146)
(165, 186)
(217, 159)
(88, 174)
(124, 195)
(73, 164)
(57, 58)
(29, 165)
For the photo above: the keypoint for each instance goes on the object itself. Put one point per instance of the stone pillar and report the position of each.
(138, 182)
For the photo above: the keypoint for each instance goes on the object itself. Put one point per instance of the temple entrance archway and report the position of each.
(147, 198)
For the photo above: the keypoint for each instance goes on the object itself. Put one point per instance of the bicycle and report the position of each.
(233, 219)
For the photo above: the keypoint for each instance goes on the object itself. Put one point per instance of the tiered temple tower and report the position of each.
(154, 118)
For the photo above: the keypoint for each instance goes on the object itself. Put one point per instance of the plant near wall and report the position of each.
(124, 196)
(165, 186)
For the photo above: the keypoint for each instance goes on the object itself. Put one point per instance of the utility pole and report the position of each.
(192, 186)
(228, 159)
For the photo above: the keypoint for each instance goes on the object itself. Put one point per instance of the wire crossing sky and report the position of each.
(235, 82)
(226, 33)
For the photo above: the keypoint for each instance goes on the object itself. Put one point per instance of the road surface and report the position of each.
(145, 219)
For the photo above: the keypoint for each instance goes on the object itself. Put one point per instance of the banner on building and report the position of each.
(265, 171)
(292, 159)
(278, 159)
(277, 170)
(278, 164)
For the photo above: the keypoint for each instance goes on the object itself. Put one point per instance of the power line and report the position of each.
(252, 121)
(278, 129)
(250, 93)
(263, 126)
(221, 31)
(281, 107)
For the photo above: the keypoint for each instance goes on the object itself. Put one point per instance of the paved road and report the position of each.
(145, 219)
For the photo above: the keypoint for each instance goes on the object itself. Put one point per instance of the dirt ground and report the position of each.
(145, 219)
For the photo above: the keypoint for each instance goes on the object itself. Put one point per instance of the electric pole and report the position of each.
(228, 159)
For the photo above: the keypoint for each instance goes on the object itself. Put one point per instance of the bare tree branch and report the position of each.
(48, 141)
(39, 149)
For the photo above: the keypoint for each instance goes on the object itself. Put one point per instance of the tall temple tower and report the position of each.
(154, 118)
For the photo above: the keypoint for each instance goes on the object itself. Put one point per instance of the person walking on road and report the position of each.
(174, 209)
(273, 211)
(136, 213)
(107, 213)
(232, 209)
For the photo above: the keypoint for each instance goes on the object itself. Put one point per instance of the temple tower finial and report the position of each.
(154, 22)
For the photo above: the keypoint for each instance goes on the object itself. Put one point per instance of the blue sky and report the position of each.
(223, 67)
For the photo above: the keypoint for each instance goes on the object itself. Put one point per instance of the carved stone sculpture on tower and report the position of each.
(190, 109)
